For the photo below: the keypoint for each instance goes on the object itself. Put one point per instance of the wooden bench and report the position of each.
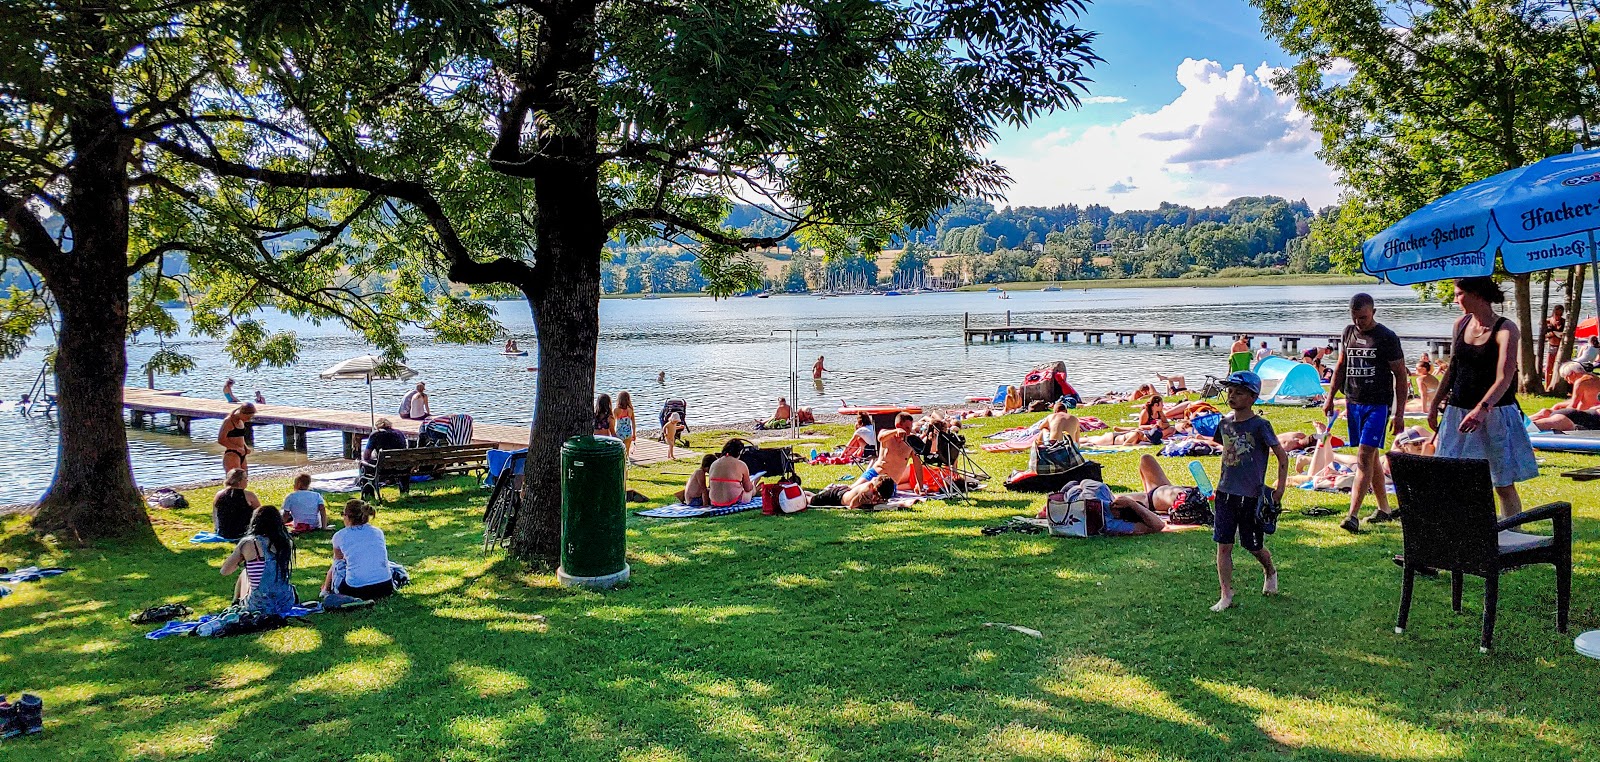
(397, 466)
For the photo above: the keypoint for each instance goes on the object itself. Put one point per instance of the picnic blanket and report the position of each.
(1108, 449)
(204, 537)
(681, 511)
(337, 481)
(31, 574)
(175, 627)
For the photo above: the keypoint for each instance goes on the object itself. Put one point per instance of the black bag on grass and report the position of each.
(1030, 481)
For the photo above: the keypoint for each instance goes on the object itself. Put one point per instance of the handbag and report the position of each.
(1055, 457)
(791, 499)
(1079, 509)
(1268, 508)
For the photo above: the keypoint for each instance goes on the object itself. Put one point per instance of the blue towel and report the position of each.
(31, 574)
(4, 591)
(202, 537)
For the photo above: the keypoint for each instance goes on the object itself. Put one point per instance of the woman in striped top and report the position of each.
(267, 555)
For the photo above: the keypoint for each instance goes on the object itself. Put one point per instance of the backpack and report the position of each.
(1054, 457)
(1193, 508)
(1079, 509)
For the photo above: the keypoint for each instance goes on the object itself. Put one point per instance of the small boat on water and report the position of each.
(891, 293)
(1051, 288)
(523, 353)
(1005, 295)
(994, 289)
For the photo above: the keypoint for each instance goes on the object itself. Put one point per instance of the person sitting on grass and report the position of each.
(897, 457)
(860, 496)
(1153, 412)
(694, 491)
(1059, 424)
(1247, 438)
(728, 479)
(360, 557)
(233, 506)
(1585, 395)
(267, 555)
(304, 510)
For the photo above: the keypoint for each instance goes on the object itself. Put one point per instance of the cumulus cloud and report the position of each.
(1104, 99)
(1226, 134)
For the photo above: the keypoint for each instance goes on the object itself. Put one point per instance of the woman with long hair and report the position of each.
(232, 436)
(605, 422)
(623, 422)
(360, 557)
(267, 555)
(1478, 395)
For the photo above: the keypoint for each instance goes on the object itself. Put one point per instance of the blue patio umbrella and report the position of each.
(1539, 217)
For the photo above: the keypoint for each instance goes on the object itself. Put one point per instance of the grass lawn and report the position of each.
(821, 636)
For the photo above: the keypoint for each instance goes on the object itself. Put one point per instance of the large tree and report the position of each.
(97, 213)
(1416, 99)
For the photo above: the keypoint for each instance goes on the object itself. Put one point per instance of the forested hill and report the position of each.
(1071, 241)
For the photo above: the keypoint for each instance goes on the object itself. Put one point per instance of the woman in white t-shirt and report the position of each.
(360, 557)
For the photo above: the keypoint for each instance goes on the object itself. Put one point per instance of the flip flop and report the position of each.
(1317, 511)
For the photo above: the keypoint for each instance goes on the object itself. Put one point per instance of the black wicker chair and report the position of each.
(1448, 519)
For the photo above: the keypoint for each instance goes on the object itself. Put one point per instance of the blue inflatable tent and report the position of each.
(1287, 382)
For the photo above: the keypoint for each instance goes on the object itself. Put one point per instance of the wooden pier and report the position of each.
(1288, 341)
(144, 404)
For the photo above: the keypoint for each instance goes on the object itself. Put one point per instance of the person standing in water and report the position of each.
(818, 369)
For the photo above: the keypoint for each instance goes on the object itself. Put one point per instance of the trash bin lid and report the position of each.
(588, 445)
(1588, 644)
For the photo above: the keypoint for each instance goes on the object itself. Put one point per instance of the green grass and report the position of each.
(821, 636)
(1307, 279)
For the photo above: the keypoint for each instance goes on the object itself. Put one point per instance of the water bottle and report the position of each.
(813, 453)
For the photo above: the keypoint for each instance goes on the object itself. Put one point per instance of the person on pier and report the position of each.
(233, 435)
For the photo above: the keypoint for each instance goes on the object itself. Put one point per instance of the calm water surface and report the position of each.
(724, 359)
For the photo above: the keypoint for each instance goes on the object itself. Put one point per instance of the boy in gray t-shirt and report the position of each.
(1246, 439)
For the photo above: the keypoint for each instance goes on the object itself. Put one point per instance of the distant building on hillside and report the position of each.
(1102, 247)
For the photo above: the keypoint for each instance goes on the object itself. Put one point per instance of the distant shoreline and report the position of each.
(1254, 280)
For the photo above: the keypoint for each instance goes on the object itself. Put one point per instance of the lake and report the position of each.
(725, 359)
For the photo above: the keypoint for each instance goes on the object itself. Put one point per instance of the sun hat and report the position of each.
(1245, 379)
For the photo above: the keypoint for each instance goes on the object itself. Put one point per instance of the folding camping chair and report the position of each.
(949, 468)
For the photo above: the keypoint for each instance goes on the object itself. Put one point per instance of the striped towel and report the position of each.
(681, 511)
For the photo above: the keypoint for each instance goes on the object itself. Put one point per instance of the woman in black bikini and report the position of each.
(232, 437)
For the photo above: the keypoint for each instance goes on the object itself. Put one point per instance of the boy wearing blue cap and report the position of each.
(1246, 439)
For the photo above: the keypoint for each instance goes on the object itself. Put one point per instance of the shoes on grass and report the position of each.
(1379, 517)
(1351, 524)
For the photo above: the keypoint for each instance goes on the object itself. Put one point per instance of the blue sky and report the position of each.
(1179, 111)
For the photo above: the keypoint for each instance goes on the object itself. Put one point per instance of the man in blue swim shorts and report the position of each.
(1372, 373)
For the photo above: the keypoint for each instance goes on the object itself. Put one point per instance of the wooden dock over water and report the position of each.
(355, 425)
(1288, 341)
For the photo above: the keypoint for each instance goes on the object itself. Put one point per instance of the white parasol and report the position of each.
(366, 368)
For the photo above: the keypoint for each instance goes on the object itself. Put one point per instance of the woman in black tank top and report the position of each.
(1481, 419)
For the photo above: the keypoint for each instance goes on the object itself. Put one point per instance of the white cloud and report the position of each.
(1227, 134)
(1104, 99)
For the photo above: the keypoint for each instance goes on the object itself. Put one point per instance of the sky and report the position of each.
(1181, 110)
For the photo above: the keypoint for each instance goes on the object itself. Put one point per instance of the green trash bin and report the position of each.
(593, 513)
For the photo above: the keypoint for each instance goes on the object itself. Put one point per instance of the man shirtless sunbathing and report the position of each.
(897, 459)
(1059, 425)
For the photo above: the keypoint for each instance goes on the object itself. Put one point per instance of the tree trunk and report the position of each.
(1532, 380)
(93, 494)
(1574, 304)
(565, 297)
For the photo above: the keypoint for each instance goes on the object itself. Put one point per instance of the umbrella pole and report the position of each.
(1594, 272)
(372, 408)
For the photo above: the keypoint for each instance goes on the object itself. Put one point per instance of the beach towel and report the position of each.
(681, 511)
(1020, 444)
(205, 537)
(31, 574)
(1105, 449)
(337, 481)
(1045, 525)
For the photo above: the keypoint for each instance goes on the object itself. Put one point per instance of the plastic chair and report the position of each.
(1447, 516)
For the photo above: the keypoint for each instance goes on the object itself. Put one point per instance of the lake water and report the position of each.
(725, 360)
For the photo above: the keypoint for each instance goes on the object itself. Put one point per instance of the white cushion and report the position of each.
(1514, 542)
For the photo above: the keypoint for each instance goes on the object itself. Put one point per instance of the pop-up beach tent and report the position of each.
(1286, 381)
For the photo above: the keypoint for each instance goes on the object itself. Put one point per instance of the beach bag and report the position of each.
(1054, 457)
(166, 497)
(783, 497)
(1206, 424)
(1192, 509)
(1079, 509)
